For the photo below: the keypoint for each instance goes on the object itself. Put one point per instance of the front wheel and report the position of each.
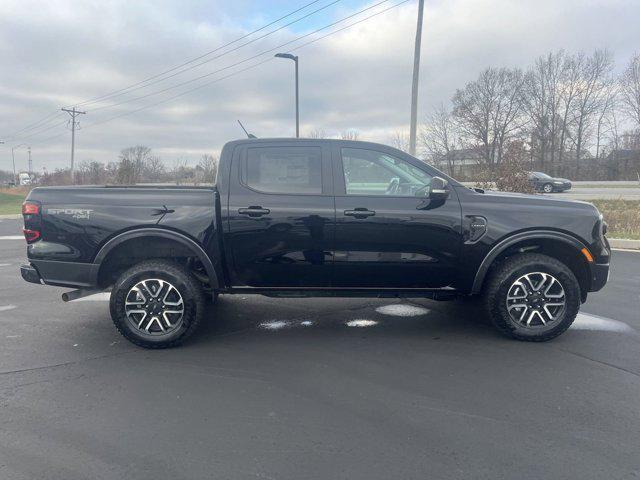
(157, 304)
(532, 297)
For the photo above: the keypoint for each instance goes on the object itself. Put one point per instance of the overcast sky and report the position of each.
(58, 53)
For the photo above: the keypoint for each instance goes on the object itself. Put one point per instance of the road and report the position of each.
(600, 192)
(260, 394)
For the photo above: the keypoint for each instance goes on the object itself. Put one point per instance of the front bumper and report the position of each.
(599, 276)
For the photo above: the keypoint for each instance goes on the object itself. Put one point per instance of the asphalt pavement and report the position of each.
(317, 389)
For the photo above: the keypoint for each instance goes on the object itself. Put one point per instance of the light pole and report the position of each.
(414, 83)
(295, 59)
(13, 159)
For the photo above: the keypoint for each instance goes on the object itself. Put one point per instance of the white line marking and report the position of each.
(400, 310)
(632, 250)
(96, 297)
(5, 264)
(276, 325)
(12, 237)
(585, 321)
(361, 323)
(7, 307)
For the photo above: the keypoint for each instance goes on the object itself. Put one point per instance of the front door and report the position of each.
(281, 215)
(389, 234)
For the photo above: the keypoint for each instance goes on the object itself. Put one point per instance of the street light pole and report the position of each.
(414, 85)
(295, 59)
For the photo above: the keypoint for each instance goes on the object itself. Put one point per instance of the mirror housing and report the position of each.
(438, 189)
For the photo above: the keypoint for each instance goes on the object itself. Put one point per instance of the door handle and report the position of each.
(359, 213)
(254, 211)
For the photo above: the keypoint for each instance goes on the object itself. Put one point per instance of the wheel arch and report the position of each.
(189, 244)
(561, 246)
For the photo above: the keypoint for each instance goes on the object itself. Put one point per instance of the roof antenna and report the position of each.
(249, 135)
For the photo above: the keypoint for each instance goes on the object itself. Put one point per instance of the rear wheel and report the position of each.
(157, 304)
(547, 188)
(532, 297)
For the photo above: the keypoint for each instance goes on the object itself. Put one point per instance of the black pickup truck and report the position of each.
(296, 218)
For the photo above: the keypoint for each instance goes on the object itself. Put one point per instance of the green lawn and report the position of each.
(10, 203)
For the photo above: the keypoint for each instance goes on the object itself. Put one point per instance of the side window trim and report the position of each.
(326, 183)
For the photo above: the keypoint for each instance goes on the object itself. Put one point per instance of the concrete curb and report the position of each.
(625, 243)
(13, 216)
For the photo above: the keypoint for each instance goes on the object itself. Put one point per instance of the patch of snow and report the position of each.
(275, 325)
(96, 297)
(361, 323)
(306, 323)
(402, 310)
(585, 321)
(4, 308)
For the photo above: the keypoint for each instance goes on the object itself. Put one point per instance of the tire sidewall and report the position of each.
(572, 299)
(131, 278)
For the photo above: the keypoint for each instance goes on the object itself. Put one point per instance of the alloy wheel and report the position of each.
(536, 300)
(154, 307)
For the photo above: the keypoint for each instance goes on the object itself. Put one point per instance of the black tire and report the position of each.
(188, 288)
(502, 279)
(547, 188)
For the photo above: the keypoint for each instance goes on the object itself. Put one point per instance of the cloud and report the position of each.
(61, 52)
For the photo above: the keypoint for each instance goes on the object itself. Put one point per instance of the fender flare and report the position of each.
(512, 240)
(162, 233)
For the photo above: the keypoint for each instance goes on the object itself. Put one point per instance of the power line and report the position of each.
(102, 97)
(50, 117)
(248, 59)
(145, 107)
(249, 67)
(36, 124)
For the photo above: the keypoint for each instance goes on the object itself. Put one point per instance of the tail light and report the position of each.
(30, 235)
(30, 208)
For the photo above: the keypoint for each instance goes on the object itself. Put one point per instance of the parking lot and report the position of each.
(317, 388)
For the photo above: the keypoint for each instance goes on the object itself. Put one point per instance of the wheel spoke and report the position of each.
(154, 306)
(535, 300)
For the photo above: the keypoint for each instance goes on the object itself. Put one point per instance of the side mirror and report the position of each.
(438, 189)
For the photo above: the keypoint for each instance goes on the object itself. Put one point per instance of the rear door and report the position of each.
(281, 215)
(388, 233)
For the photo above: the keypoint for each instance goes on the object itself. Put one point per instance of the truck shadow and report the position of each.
(254, 315)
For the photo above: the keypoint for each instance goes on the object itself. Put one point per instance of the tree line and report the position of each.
(136, 164)
(563, 108)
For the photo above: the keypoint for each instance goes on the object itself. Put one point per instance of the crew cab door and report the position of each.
(281, 215)
(389, 234)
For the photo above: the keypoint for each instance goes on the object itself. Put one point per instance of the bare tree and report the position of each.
(488, 110)
(595, 82)
(154, 169)
(606, 122)
(209, 165)
(316, 133)
(132, 162)
(438, 136)
(400, 140)
(349, 135)
(630, 89)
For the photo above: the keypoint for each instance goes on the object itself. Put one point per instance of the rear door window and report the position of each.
(284, 170)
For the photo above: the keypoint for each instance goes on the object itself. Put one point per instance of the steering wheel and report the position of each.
(393, 186)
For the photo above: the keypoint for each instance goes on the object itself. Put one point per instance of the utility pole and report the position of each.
(414, 85)
(74, 113)
(30, 164)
